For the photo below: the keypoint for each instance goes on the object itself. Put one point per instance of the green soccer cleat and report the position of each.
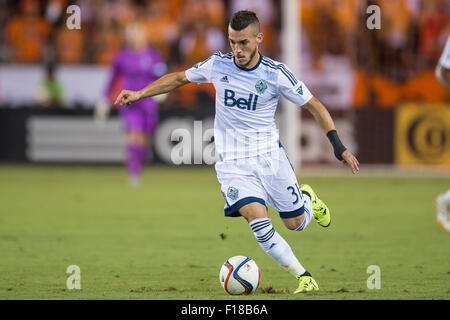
(306, 283)
(321, 211)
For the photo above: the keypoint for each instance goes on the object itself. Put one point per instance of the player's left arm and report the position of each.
(323, 117)
(297, 92)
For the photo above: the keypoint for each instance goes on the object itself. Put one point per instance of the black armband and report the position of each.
(338, 147)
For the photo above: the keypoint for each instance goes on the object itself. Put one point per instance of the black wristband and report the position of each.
(338, 147)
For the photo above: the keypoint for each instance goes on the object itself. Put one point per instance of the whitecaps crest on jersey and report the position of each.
(261, 86)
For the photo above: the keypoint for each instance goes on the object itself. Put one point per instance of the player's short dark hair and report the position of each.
(242, 19)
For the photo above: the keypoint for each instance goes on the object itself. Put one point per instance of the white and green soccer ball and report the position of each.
(240, 275)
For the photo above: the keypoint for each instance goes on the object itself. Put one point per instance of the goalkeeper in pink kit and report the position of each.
(135, 66)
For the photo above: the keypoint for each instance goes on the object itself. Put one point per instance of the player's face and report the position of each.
(136, 36)
(244, 44)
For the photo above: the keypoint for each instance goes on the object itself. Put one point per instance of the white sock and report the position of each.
(308, 215)
(275, 246)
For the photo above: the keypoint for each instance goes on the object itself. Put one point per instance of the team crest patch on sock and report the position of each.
(261, 86)
(232, 193)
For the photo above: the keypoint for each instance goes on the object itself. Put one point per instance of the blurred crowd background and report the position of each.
(366, 77)
(392, 64)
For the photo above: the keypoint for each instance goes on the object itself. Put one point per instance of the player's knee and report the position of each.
(253, 211)
(136, 137)
(294, 223)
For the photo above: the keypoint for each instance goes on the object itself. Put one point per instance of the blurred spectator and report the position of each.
(433, 21)
(327, 27)
(124, 12)
(215, 10)
(200, 32)
(69, 45)
(50, 92)
(161, 22)
(55, 10)
(27, 32)
(199, 40)
(264, 9)
(268, 12)
(395, 21)
(391, 65)
(106, 42)
(192, 95)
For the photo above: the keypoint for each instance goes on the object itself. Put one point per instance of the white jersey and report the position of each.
(445, 57)
(246, 100)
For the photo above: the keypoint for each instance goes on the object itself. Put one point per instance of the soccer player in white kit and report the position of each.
(443, 200)
(253, 168)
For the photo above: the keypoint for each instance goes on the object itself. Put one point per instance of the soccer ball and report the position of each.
(240, 275)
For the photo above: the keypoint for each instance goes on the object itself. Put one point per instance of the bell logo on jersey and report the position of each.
(241, 103)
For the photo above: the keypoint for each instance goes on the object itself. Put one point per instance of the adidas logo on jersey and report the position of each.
(241, 103)
(224, 79)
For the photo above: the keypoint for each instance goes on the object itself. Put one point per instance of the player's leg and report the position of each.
(253, 210)
(245, 196)
(297, 205)
(134, 126)
(280, 182)
(443, 211)
(301, 221)
(321, 212)
(272, 242)
(285, 196)
(148, 140)
(293, 223)
(136, 149)
(313, 208)
(151, 120)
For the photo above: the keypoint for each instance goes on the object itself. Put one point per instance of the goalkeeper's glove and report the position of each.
(101, 111)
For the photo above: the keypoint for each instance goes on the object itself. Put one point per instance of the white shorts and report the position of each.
(267, 179)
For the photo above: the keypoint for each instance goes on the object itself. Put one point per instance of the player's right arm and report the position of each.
(199, 73)
(164, 84)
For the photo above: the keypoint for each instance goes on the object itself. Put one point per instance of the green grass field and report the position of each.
(163, 240)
